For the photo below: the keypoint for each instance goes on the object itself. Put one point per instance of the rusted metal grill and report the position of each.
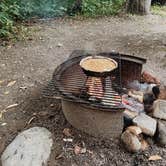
(73, 84)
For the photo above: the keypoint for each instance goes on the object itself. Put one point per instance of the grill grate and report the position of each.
(72, 84)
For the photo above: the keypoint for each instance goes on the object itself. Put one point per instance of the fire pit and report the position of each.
(94, 104)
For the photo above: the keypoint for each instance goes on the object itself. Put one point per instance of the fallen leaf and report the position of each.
(59, 156)
(1, 82)
(144, 145)
(43, 113)
(11, 83)
(23, 87)
(67, 139)
(6, 93)
(154, 158)
(90, 152)
(67, 132)
(77, 150)
(3, 124)
(30, 120)
(83, 150)
(11, 106)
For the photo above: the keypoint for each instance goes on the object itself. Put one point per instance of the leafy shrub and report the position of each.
(101, 7)
(9, 13)
(44, 8)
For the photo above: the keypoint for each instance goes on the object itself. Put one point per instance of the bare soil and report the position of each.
(32, 62)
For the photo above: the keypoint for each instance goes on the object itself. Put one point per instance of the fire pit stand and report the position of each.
(102, 118)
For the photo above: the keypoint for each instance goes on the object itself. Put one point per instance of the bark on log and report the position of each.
(138, 6)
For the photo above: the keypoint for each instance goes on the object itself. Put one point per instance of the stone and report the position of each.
(131, 141)
(135, 130)
(31, 147)
(159, 109)
(146, 123)
(161, 138)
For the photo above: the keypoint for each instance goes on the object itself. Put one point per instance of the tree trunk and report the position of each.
(138, 6)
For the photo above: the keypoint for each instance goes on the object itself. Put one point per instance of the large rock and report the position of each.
(161, 133)
(131, 141)
(159, 109)
(146, 123)
(30, 148)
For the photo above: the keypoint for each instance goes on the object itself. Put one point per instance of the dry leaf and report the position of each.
(59, 156)
(77, 150)
(83, 150)
(154, 158)
(23, 87)
(90, 152)
(6, 93)
(11, 106)
(3, 124)
(67, 139)
(67, 132)
(30, 120)
(43, 113)
(144, 145)
(11, 83)
(1, 81)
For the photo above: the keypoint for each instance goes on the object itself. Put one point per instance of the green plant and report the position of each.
(9, 14)
(43, 8)
(101, 7)
(159, 10)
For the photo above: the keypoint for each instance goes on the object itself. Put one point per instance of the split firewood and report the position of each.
(148, 78)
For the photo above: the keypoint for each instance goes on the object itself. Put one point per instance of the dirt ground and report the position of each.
(31, 64)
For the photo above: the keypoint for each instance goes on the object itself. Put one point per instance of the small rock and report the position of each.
(146, 123)
(161, 133)
(135, 130)
(59, 44)
(131, 141)
(159, 109)
(32, 147)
